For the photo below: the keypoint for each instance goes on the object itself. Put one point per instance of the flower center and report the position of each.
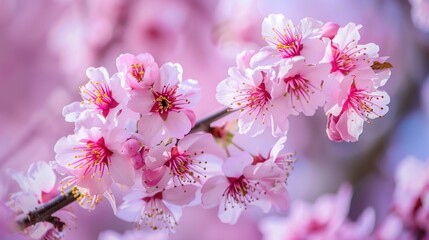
(184, 168)
(287, 42)
(363, 102)
(298, 88)
(100, 95)
(240, 192)
(156, 214)
(164, 104)
(253, 99)
(167, 100)
(347, 59)
(95, 158)
(138, 70)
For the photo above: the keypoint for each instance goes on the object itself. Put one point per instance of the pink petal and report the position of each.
(234, 166)
(124, 61)
(177, 124)
(181, 195)
(141, 101)
(150, 127)
(42, 177)
(95, 185)
(229, 214)
(121, 170)
(156, 178)
(170, 75)
(212, 191)
(72, 111)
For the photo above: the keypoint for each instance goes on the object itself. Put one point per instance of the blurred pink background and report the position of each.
(45, 47)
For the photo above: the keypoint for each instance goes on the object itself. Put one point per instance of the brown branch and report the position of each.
(44, 212)
(204, 124)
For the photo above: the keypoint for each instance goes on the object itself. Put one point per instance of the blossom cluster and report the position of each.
(133, 130)
(409, 211)
(136, 131)
(303, 67)
(327, 217)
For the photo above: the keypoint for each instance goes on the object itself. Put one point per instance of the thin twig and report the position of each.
(44, 212)
(204, 124)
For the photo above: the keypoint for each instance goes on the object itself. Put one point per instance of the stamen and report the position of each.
(138, 71)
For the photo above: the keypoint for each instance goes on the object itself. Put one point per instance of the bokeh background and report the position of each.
(46, 46)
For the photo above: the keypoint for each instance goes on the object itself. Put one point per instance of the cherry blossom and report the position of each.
(252, 92)
(325, 219)
(101, 96)
(345, 55)
(302, 86)
(244, 184)
(192, 160)
(283, 161)
(411, 196)
(93, 157)
(287, 40)
(165, 106)
(139, 71)
(356, 102)
(158, 210)
(38, 187)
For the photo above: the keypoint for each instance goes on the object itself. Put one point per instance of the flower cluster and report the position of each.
(306, 66)
(133, 130)
(325, 219)
(136, 130)
(409, 214)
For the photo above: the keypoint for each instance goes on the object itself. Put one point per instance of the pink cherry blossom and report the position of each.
(102, 95)
(93, 156)
(158, 210)
(38, 187)
(244, 184)
(165, 106)
(192, 160)
(287, 40)
(411, 196)
(302, 86)
(283, 161)
(325, 219)
(345, 55)
(252, 92)
(140, 71)
(356, 102)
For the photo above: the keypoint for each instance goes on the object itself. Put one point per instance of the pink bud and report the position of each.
(131, 147)
(330, 29)
(138, 161)
(152, 177)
